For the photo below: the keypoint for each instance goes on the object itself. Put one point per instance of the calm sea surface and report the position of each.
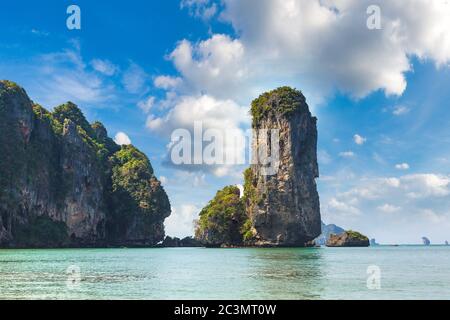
(406, 272)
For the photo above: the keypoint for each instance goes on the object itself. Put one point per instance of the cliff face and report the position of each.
(64, 182)
(284, 207)
(280, 208)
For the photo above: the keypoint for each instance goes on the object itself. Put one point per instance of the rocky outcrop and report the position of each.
(64, 182)
(426, 241)
(223, 221)
(284, 206)
(348, 239)
(373, 243)
(280, 206)
(327, 231)
(187, 242)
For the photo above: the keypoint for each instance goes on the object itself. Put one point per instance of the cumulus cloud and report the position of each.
(181, 221)
(359, 140)
(402, 166)
(214, 66)
(164, 180)
(278, 43)
(167, 82)
(223, 116)
(347, 56)
(122, 138)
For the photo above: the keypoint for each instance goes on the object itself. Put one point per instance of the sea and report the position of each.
(374, 273)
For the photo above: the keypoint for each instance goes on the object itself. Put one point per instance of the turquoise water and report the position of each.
(406, 272)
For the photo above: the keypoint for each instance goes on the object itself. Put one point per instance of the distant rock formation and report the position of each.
(328, 230)
(373, 243)
(64, 182)
(446, 243)
(175, 242)
(348, 239)
(426, 241)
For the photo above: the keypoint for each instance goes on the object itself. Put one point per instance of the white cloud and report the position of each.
(241, 189)
(388, 208)
(181, 222)
(211, 113)
(204, 9)
(134, 79)
(415, 204)
(277, 44)
(104, 66)
(347, 154)
(147, 104)
(426, 185)
(164, 180)
(402, 166)
(400, 110)
(347, 55)
(167, 82)
(60, 77)
(359, 140)
(341, 207)
(122, 138)
(214, 66)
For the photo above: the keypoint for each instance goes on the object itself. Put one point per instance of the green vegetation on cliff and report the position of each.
(284, 100)
(56, 164)
(223, 221)
(356, 235)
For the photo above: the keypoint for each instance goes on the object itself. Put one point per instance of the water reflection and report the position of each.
(295, 273)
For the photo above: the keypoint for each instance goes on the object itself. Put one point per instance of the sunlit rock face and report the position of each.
(64, 182)
(284, 206)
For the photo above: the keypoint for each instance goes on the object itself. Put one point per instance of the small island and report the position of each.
(349, 238)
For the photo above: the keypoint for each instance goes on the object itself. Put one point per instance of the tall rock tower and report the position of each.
(283, 205)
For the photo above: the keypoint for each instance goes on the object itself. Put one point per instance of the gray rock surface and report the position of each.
(284, 207)
(57, 186)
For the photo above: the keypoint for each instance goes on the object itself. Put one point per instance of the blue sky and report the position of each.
(147, 68)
